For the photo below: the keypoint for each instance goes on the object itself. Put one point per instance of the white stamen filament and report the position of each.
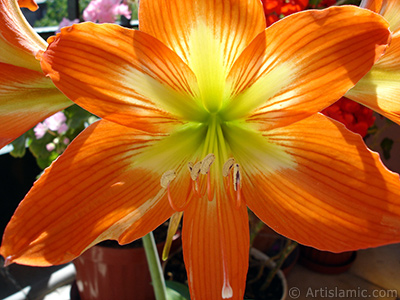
(227, 291)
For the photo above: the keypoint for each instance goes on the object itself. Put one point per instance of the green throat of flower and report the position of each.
(233, 145)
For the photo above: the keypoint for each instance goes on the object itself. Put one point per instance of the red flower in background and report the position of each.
(277, 9)
(354, 116)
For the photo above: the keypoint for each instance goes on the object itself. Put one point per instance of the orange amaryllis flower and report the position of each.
(26, 95)
(380, 88)
(206, 112)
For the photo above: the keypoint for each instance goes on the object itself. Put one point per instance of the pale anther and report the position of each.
(226, 169)
(190, 166)
(206, 163)
(167, 177)
(195, 171)
(236, 177)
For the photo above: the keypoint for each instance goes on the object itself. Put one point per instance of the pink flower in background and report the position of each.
(50, 147)
(57, 144)
(66, 22)
(54, 123)
(40, 130)
(106, 11)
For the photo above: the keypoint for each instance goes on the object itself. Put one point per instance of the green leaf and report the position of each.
(19, 146)
(77, 117)
(46, 160)
(39, 151)
(386, 146)
(177, 291)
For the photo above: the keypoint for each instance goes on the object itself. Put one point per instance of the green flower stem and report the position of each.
(153, 261)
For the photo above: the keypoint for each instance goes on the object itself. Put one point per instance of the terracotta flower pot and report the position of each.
(326, 262)
(104, 273)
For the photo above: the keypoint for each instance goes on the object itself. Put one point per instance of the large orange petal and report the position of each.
(208, 35)
(186, 25)
(305, 62)
(19, 43)
(94, 191)
(122, 75)
(26, 98)
(337, 196)
(380, 88)
(215, 242)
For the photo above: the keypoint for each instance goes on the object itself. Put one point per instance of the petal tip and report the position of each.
(30, 4)
(8, 261)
